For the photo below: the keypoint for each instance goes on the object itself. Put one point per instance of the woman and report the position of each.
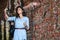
(21, 24)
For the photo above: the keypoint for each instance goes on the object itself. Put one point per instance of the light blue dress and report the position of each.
(20, 34)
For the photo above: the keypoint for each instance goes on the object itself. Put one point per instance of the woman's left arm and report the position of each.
(26, 24)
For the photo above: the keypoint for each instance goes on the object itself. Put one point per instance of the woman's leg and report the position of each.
(22, 35)
(15, 35)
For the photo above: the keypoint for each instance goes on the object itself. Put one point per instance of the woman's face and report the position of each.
(19, 11)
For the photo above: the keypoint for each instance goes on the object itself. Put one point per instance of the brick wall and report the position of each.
(45, 21)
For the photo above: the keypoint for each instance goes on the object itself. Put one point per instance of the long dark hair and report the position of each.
(23, 13)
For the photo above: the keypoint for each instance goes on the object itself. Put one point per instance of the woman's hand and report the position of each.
(26, 27)
(24, 24)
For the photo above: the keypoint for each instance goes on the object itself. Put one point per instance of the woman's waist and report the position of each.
(19, 28)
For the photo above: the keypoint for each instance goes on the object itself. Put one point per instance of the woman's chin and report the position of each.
(19, 13)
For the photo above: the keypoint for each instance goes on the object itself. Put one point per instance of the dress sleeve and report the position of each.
(27, 22)
(11, 19)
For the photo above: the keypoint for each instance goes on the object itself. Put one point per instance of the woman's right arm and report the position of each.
(8, 18)
(5, 14)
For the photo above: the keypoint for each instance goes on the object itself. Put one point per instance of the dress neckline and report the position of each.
(22, 17)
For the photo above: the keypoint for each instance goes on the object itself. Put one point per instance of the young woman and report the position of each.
(21, 24)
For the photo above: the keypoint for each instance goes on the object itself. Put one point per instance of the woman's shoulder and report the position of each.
(12, 17)
(26, 18)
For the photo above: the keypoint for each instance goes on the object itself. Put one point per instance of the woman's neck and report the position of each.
(21, 16)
